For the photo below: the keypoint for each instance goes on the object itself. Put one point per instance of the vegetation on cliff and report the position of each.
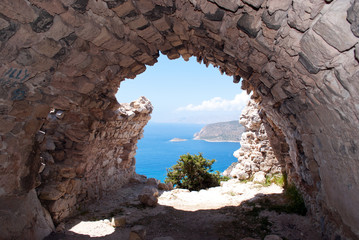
(193, 172)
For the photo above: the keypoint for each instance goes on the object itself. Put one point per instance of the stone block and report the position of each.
(125, 9)
(275, 5)
(7, 124)
(80, 5)
(334, 28)
(19, 10)
(24, 37)
(62, 204)
(275, 20)
(113, 44)
(47, 47)
(100, 8)
(259, 177)
(317, 51)
(254, 3)
(231, 5)
(51, 6)
(249, 24)
(162, 24)
(139, 23)
(58, 30)
(67, 172)
(144, 5)
(118, 221)
(138, 232)
(50, 192)
(4, 24)
(213, 26)
(216, 16)
(88, 31)
(353, 18)
(34, 223)
(298, 18)
(7, 30)
(103, 37)
(43, 23)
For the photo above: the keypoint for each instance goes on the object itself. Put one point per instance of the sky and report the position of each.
(186, 92)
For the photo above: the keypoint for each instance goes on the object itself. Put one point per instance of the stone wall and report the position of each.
(300, 59)
(256, 154)
(80, 165)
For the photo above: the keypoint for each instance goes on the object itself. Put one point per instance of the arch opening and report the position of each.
(300, 64)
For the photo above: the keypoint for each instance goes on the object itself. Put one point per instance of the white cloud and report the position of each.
(219, 104)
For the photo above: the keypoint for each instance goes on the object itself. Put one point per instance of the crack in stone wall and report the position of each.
(300, 59)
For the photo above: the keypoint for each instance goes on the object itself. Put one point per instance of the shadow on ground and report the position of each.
(256, 218)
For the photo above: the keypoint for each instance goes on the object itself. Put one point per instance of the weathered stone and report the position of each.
(275, 5)
(149, 196)
(275, 20)
(311, 68)
(138, 232)
(43, 23)
(259, 177)
(162, 24)
(118, 221)
(51, 6)
(125, 9)
(80, 5)
(18, 10)
(51, 192)
(352, 17)
(298, 17)
(47, 47)
(357, 52)
(332, 26)
(32, 213)
(231, 5)
(4, 24)
(217, 16)
(317, 51)
(249, 24)
(272, 237)
(58, 30)
(139, 23)
(7, 31)
(254, 3)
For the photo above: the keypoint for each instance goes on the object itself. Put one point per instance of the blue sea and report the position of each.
(156, 153)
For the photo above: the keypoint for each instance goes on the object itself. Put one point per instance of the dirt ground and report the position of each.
(234, 210)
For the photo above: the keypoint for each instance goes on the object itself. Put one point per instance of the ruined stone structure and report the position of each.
(263, 149)
(61, 62)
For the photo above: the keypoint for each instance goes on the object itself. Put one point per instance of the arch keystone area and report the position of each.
(65, 139)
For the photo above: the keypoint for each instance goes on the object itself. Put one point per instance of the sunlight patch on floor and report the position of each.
(231, 193)
(93, 228)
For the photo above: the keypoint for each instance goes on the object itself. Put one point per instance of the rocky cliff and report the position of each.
(68, 57)
(221, 132)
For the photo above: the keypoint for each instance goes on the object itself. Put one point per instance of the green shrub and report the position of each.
(193, 172)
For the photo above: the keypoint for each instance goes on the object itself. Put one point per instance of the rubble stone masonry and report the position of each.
(64, 139)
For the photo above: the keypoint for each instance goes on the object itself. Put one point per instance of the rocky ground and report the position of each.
(235, 210)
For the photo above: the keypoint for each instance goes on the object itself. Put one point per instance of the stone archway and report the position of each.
(62, 61)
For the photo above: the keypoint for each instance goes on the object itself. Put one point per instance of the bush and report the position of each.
(193, 172)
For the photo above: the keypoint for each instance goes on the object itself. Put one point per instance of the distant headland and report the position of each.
(221, 132)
